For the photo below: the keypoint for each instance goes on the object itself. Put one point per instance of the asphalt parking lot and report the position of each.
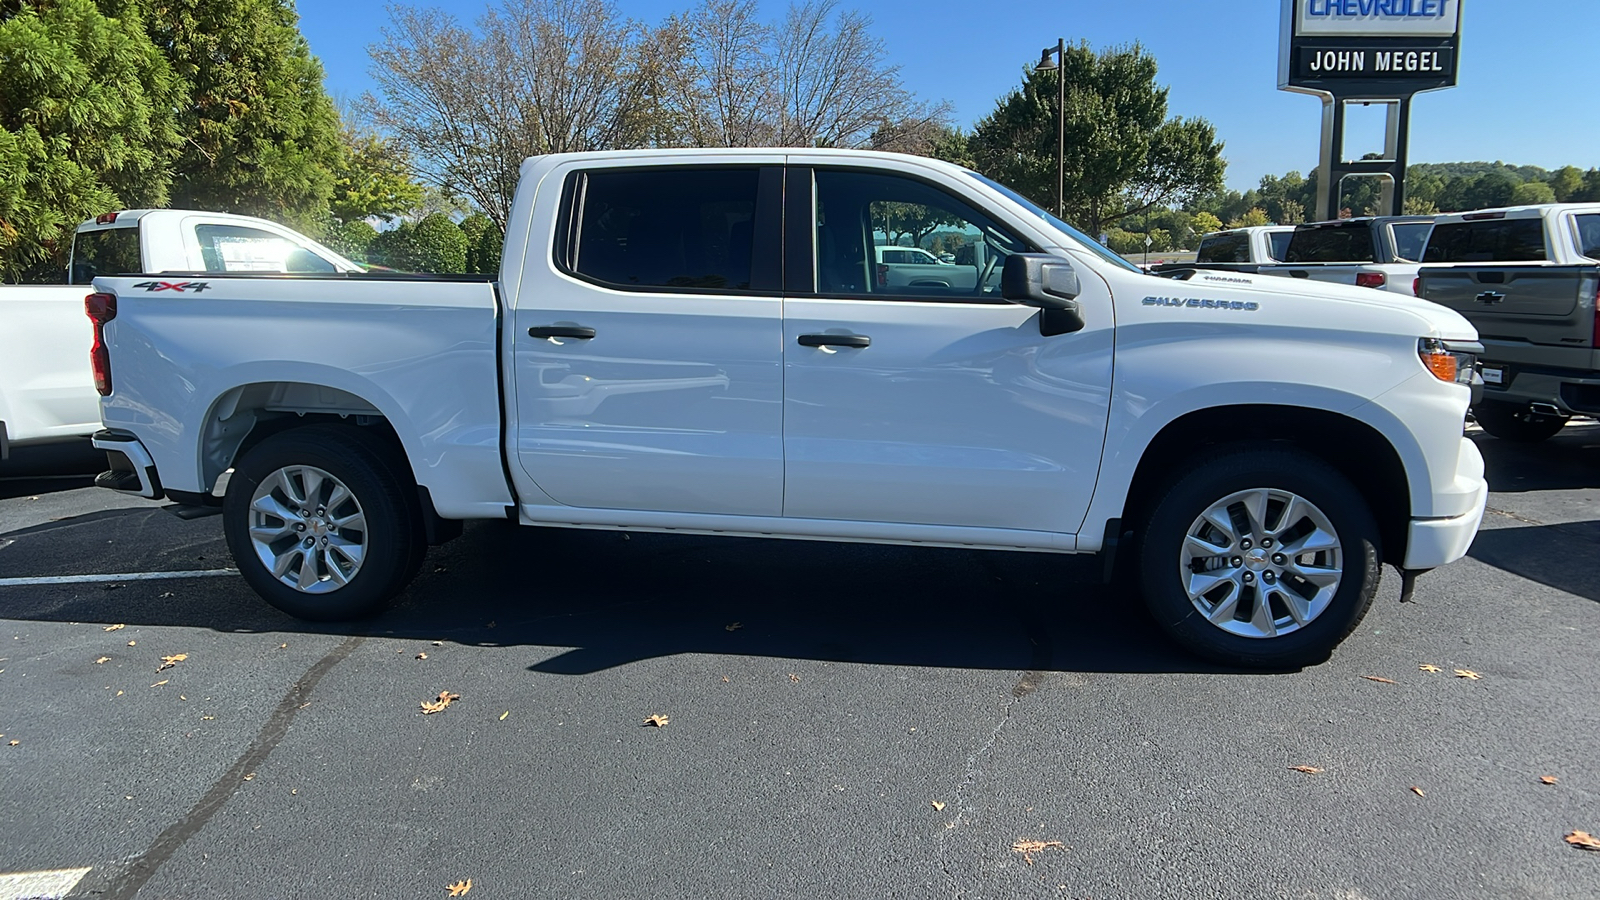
(842, 721)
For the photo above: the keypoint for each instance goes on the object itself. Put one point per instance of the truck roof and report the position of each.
(1519, 212)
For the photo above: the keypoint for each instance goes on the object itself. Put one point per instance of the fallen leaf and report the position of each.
(161, 682)
(182, 697)
(102, 659)
(438, 643)
(1029, 848)
(14, 743)
(1547, 779)
(938, 806)
(168, 662)
(1429, 667)
(422, 656)
(250, 776)
(1309, 770)
(119, 693)
(794, 678)
(131, 643)
(1468, 673)
(445, 699)
(283, 646)
(734, 626)
(1379, 679)
(504, 714)
(207, 718)
(658, 721)
(1418, 791)
(117, 627)
(1580, 839)
(166, 595)
(459, 888)
(294, 791)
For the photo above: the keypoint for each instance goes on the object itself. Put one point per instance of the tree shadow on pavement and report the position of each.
(1548, 554)
(1568, 461)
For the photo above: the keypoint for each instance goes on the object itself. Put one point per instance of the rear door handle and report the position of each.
(562, 331)
(835, 340)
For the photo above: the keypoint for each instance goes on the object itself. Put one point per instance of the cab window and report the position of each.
(107, 251)
(860, 215)
(238, 248)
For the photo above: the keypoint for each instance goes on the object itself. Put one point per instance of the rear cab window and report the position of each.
(1409, 239)
(684, 228)
(105, 251)
(1333, 243)
(239, 248)
(1487, 240)
(1233, 247)
(1280, 244)
(1588, 226)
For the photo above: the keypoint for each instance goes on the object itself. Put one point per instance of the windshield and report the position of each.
(1077, 236)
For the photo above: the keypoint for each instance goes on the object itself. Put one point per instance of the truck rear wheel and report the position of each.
(1262, 558)
(323, 524)
(1513, 422)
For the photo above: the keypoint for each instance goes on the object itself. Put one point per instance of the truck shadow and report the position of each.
(1568, 461)
(1548, 554)
(606, 599)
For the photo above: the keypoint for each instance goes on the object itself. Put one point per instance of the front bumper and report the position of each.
(1431, 543)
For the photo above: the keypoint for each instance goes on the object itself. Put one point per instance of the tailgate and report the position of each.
(1549, 305)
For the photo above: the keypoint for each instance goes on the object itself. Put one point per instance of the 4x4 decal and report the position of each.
(179, 286)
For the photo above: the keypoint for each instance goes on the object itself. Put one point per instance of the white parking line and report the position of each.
(125, 576)
(51, 885)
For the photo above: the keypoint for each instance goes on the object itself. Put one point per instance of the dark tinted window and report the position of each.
(859, 213)
(1487, 240)
(686, 227)
(1280, 243)
(112, 251)
(1331, 244)
(1409, 239)
(1233, 247)
(1589, 235)
(237, 248)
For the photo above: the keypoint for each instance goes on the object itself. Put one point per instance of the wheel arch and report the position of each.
(1355, 448)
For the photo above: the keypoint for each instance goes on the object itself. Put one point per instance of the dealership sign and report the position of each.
(1373, 48)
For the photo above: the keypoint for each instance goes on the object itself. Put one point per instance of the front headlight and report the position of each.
(1452, 361)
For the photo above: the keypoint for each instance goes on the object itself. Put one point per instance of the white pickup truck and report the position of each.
(46, 389)
(695, 341)
(1382, 252)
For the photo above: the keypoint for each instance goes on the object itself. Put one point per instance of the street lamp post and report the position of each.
(1059, 51)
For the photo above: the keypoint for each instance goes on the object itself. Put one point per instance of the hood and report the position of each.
(1445, 323)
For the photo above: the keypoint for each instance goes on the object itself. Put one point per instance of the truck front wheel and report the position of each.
(321, 523)
(1511, 422)
(1260, 558)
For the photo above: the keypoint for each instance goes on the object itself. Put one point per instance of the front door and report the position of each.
(648, 348)
(912, 392)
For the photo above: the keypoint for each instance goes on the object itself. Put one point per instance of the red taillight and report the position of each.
(1416, 285)
(101, 308)
(1371, 279)
(105, 218)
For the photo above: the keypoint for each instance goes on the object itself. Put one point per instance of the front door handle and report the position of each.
(835, 340)
(562, 331)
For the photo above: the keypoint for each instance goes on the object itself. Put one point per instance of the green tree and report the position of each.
(352, 239)
(86, 126)
(1530, 193)
(1251, 217)
(260, 135)
(1123, 155)
(435, 244)
(1566, 181)
(1417, 206)
(372, 179)
(1590, 192)
(484, 241)
(1290, 212)
(1205, 223)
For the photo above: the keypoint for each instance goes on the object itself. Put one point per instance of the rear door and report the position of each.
(647, 342)
(935, 404)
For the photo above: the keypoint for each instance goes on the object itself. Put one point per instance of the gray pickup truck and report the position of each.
(1527, 277)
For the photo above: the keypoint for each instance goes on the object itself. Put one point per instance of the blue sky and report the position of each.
(1527, 96)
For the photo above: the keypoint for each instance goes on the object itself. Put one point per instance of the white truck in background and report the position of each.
(681, 341)
(1257, 244)
(46, 388)
(1382, 252)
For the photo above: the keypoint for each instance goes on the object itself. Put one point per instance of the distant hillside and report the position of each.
(1474, 169)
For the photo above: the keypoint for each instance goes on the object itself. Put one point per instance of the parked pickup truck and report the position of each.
(1529, 279)
(1374, 252)
(1256, 244)
(695, 341)
(46, 389)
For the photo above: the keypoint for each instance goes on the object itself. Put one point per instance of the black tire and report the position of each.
(392, 538)
(1161, 545)
(1513, 422)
